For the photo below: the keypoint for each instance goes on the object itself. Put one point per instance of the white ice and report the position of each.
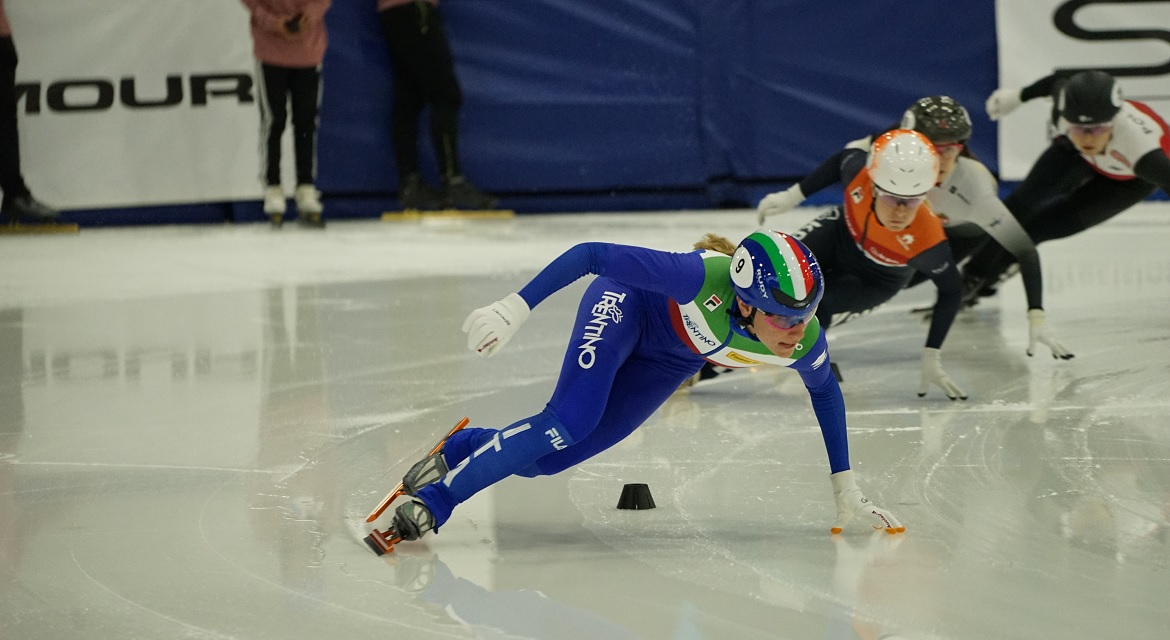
(194, 422)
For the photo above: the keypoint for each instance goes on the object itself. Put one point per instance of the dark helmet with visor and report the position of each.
(1089, 97)
(940, 118)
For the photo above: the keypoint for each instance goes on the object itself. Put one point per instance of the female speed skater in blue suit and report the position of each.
(645, 326)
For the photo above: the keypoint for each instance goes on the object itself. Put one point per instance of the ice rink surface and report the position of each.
(194, 422)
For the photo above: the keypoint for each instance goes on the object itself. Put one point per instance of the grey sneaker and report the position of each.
(412, 520)
(415, 194)
(28, 208)
(458, 193)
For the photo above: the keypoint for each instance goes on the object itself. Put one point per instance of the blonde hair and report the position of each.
(715, 242)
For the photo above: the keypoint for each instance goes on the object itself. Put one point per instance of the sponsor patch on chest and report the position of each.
(742, 359)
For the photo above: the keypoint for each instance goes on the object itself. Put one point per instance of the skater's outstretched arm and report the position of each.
(829, 406)
(677, 275)
(1005, 100)
(838, 168)
(939, 264)
(983, 207)
(827, 402)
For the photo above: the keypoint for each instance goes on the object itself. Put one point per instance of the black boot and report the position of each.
(458, 193)
(28, 208)
(974, 288)
(415, 194)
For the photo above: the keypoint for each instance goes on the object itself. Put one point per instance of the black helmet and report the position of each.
(1089, 97)
(940, 118)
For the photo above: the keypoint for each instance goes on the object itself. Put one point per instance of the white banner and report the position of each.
(1130, 38)
(136, 102)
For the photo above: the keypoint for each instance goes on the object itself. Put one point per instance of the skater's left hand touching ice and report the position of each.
(852, 503)
(1038, 332)
(932, 373)
(489, 328)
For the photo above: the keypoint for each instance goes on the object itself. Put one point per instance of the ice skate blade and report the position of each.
(380, 542)
(399, 490)
(374, 546)
(386, 502)
(38, 229)
(311, 222)
(457, 214)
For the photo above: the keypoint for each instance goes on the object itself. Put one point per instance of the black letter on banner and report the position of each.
(55, 96)
(1062, 19)
(174, 94)
(31, 92)
(200, 91)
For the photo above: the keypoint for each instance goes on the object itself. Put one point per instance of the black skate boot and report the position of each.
(414, 194)
(29, 209)
(411, 521)
(458, 193)
(974, 288)
(710, 371)
(991, 288)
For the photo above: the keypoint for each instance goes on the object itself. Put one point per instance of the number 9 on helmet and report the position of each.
(777, 274)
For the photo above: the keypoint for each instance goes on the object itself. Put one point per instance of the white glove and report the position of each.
(932, 373)
(779, 202)
(1038, 332)
(489, 328)
(851, 502)
(1002, 102)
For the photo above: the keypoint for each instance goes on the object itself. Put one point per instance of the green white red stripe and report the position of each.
(784, 250)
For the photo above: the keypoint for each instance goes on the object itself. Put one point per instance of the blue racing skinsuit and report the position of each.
(644, 327)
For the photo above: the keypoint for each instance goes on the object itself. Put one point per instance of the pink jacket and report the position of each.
(386, 4)
(270, 45)
(5, 28)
